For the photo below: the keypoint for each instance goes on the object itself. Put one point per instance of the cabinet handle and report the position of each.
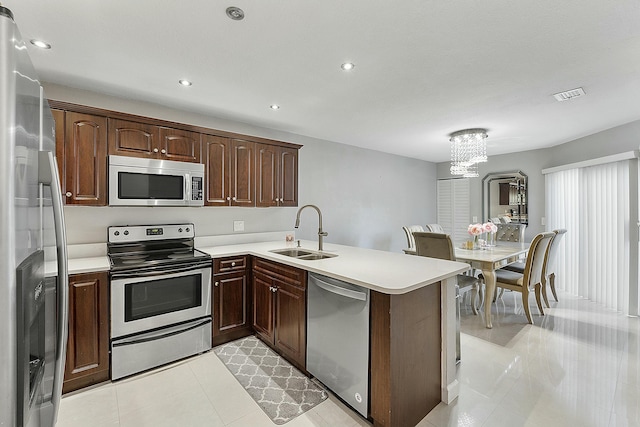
(234, 199)
(163, 151)
(68, 194)
(274, 289)
(228, 198)
(155, 150)
(216, 283)
(233, 264)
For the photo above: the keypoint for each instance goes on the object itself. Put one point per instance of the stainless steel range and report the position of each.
(160, 296)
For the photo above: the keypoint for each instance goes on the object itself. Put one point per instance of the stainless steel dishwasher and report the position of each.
(338, 338)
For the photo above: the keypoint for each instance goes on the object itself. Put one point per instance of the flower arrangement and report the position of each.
(475, 229)
(489, 227)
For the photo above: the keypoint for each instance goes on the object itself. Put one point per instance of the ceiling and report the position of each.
(423, 68)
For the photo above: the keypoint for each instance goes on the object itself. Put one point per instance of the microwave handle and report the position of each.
(187, 187)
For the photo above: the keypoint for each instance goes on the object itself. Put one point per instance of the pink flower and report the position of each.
(475, 229)
(489, 227)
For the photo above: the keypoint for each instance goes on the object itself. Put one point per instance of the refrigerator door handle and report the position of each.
(48, 175)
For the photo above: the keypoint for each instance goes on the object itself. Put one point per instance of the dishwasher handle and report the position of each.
(339, 290)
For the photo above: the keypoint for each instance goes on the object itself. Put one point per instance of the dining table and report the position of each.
(489, 259)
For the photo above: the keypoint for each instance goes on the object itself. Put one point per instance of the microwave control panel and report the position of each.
(197, 190)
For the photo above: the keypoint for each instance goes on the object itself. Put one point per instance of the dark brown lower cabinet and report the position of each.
(405, 356)
(231, 299)
(87, 360)
(279, 309)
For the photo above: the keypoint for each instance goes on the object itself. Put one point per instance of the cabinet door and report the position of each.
(230, 303)
(88, 344)
(217, 157)
(290, 327)
(179, 145)
(263, 315)
(288, 177)
(133, 139)
(242, 173)
(267, 175)
(58, 117)
(85, 159)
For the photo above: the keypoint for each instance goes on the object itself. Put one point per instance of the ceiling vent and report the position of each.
(569, 94)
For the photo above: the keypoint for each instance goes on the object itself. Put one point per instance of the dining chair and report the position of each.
(549, 275)
(439, 245)
(510, 232)
(411, 243)
(434, 228)
(532, 277)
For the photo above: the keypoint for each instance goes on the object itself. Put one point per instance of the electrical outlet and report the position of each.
(238, 225)
(543, 221)
(474, 219)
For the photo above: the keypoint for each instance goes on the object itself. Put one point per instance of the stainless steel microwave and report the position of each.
(135, 181)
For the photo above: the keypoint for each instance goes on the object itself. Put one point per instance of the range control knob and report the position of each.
(126, 232)
(116, 233)
(188, 229)
(179, 230)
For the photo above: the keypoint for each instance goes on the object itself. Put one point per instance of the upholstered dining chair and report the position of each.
(550, 266)
(510, 232)
(411, 243)
(439, 245)
(434, 228)
(532, 277)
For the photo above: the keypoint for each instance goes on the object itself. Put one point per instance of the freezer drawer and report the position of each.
(338, 338)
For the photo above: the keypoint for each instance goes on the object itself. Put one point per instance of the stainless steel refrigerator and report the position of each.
(33, 301)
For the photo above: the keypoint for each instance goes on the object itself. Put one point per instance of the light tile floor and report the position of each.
(577, 366)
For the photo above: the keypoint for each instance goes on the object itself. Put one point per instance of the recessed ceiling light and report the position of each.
(235, 13)
(184, 82)
(274, 106)
(41, 44)
(347, 66)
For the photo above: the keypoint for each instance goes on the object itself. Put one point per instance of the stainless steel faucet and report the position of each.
(321, 233)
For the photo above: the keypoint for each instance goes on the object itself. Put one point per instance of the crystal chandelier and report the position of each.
(468, 148)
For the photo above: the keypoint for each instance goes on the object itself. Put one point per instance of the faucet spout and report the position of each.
(321, 233)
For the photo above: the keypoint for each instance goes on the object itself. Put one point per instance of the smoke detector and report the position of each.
(569, 94)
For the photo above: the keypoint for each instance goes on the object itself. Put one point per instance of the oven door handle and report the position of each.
(153, 336)
(158, 272)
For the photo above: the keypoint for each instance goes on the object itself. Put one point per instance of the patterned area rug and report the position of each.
(281, 390)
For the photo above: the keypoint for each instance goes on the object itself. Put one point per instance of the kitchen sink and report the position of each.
(302, 254)
(316, 256)
(295, 253)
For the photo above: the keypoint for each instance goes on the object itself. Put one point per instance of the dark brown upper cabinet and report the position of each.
(229, 171)
(277, 176)
(135, 139)
(81, 149)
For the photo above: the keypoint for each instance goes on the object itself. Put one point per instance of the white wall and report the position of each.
(612, 141)
(366, 196)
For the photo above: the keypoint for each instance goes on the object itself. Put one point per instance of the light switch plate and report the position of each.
(543, 221)
(238, 225)
(474, 219)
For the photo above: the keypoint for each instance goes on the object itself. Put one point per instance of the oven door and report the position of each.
(154, 298)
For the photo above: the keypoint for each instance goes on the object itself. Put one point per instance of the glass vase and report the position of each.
(491, 239)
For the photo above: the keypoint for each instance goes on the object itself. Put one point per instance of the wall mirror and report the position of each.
(504, 197)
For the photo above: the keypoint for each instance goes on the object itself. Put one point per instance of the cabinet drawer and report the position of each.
(225, 265)
(291, 275)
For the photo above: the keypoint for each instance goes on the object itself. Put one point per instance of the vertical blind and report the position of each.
(592, 203)
(454, 207)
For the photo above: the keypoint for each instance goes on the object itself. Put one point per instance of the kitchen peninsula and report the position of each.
(412, 329)
(412, 333)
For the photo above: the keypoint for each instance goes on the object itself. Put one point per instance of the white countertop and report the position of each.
(386, 272)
